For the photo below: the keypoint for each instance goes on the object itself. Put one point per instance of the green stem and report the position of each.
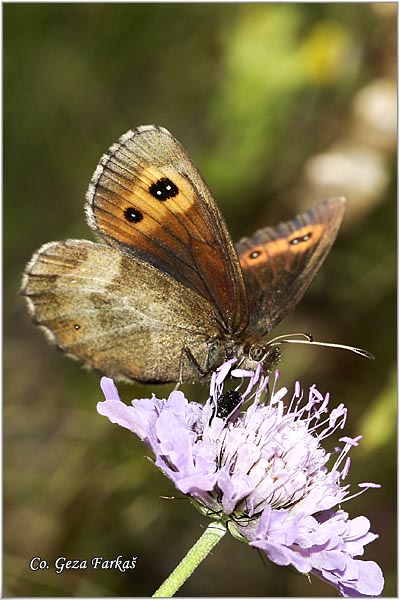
(210, 538)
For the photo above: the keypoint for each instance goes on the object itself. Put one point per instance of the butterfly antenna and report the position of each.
(286, 339)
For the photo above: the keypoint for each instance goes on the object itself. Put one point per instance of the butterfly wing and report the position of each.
(148, 199)
(118, 314)
(279, 263)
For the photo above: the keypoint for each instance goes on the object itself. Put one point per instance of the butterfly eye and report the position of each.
(133, 215)
(254, 254)
(163, 189)
(257, 353)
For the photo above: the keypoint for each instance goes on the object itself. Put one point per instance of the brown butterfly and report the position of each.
(166, 296)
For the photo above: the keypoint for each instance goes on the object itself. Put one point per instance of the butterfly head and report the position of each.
(258, 352)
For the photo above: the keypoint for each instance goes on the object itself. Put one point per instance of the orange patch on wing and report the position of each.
(154, 214)
(297, 242)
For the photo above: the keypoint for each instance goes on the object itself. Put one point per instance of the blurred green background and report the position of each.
(280, 106)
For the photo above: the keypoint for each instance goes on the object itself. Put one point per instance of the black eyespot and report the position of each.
(133, 215)
(227, 403)
(254, 254)
(163, 189)
(303, 238)
(76, 326)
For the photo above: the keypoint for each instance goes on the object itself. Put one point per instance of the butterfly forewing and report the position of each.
(148, 198)
(279, 263)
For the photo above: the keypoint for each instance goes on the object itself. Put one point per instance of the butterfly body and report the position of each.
(165, 296)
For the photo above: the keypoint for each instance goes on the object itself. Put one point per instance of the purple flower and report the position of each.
(262, 471)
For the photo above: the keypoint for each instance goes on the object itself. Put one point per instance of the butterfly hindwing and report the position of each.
(116, 313)
(279, 263)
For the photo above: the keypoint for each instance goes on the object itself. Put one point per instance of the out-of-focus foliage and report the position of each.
(280, 105)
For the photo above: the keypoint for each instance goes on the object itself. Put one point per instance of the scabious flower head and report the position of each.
(262, 471)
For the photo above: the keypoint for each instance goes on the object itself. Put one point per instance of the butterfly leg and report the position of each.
(186, 352)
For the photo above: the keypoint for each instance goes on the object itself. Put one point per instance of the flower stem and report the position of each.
(210, 538)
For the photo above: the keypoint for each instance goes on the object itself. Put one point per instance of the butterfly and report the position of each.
(166, 296)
